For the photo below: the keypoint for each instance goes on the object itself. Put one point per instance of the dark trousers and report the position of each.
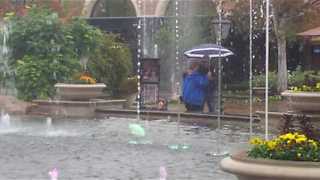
(193, 108)
(209, 100)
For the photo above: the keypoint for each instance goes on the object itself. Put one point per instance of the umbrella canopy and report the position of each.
(208, 50)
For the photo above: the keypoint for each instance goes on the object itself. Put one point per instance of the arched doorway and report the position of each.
(113, 8)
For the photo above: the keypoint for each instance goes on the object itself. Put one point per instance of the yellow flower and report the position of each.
(301, 140)
(300, 135)
(296, 89)
(88, 79)
(271, 145)
(288, 136)
(256, 141)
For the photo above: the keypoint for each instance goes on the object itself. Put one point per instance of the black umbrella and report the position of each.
(208, 50)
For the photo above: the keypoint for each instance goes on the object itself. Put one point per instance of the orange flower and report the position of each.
(88, 79)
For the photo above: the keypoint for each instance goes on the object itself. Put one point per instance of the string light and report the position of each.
(177, 41)
(139, 53)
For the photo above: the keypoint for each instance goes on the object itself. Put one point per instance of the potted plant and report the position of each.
(305, 98)
(294, 155)
(82, 88)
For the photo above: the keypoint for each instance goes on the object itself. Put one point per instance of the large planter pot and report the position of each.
(303, 101)
(246, 168)
(79, 92)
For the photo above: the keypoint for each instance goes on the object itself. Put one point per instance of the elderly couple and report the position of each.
(197, 89)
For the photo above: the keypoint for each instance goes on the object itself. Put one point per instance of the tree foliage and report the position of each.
(46, 51)
(111, 63)
(288, 18)
(294, 16)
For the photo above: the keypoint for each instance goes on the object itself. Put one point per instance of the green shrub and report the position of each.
(111, 63)
(129, 86)
(46, 51)
(259, 80)
(84, 38)
(240, 86)
(300, 80)
(298, 77)
(35, 77)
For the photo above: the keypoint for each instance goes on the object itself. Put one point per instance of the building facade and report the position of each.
(141, 7)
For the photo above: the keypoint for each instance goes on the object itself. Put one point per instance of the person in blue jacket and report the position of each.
(195, 83)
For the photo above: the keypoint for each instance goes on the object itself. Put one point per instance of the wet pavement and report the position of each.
(103, 149)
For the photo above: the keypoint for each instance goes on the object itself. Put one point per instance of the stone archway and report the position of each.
(91, 5)
(154, 7)
(162, 7)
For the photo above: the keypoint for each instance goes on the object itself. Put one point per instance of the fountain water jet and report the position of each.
(137, 129)
(5, 121)
(7, 73)
(49, 123)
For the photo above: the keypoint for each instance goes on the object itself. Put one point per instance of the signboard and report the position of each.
(316, 50)
(150, 79)
(150, 71)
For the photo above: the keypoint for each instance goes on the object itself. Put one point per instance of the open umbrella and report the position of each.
(208, 50)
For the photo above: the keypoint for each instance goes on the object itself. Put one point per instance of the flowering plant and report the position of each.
(305, 88)
(290, 146)
(84, 78)
(88, 79)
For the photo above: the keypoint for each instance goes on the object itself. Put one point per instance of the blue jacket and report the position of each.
(194, 88)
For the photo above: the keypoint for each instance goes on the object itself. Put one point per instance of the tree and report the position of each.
(288, 18)
(46, 50)
(111, 63)
(238, 41)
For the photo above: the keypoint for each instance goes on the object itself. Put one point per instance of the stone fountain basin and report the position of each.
(303, 101)
(73, 109)
(246, 168)
(79, 92)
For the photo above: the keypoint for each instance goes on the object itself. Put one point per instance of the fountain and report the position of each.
(6, 73)
(94, 146)
(5, 120)
(49, 123)
(101, 148)
(71, 107)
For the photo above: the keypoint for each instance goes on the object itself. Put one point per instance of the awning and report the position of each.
(315, 39)
(310, 32)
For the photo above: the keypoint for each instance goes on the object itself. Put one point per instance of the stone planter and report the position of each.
(308, 102)
(260, 92)
(79, 92)
(246, 168)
